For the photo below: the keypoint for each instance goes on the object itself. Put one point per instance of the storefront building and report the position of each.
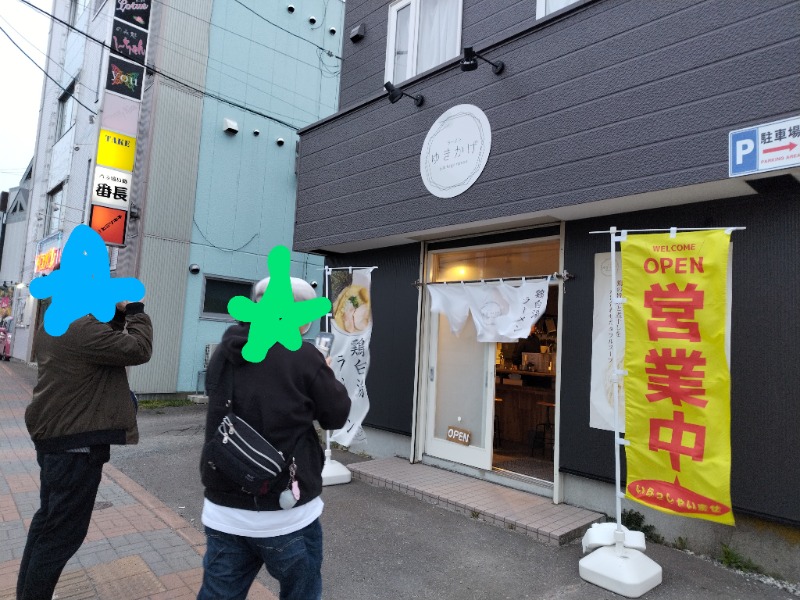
(605, 113)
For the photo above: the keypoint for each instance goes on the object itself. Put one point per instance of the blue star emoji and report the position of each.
(83, 285)
(276, 317)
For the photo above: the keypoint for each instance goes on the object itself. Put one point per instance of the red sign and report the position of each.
(110, 223)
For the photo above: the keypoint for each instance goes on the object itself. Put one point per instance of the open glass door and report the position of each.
(460, 390)
(461, 396)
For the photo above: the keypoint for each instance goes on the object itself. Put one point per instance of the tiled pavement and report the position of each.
(136, 546)
(525, 513)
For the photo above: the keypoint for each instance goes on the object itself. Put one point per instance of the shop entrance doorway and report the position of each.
(488, 406)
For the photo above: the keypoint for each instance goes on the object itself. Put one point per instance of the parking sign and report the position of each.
(764, 148)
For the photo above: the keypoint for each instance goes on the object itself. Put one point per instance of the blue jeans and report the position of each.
(232, 562)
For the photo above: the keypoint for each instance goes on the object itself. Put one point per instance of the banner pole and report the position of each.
(617, 562)
(333, 472)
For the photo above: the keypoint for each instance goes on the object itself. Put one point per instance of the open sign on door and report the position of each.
(459, 436)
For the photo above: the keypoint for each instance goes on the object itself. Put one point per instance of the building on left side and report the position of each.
(171, 128)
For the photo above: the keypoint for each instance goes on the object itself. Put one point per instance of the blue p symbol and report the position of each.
(744, 152)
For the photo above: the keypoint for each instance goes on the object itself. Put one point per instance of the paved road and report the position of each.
(381, 544)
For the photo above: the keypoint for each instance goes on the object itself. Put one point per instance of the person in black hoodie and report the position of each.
(280, 397)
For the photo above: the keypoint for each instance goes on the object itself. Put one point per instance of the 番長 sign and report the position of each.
(111, 188)
(677, 391)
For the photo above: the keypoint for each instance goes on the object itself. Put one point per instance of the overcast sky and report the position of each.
(21, 85)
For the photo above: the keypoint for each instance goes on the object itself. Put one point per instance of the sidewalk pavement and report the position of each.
(136, 546)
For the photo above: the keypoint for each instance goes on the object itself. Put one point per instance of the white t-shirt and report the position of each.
(260, 523)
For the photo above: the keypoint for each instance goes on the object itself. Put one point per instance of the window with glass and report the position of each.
(422, 34)
(76, 9)
(546, 7)
(66, 111)
(218, 293)
(55, 211)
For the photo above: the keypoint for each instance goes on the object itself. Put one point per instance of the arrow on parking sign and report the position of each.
(789, 146)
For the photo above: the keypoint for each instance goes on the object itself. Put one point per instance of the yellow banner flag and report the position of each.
(677, 391)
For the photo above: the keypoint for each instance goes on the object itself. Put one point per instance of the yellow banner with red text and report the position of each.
(677, 390)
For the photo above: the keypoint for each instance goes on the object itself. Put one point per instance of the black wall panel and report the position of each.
(610, 99)
(390, 380)
(765, 402)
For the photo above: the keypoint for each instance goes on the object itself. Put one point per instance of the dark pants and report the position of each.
(69, 483)
(232, 562)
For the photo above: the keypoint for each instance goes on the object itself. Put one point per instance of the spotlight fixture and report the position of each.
(395, 94)
(470, 62)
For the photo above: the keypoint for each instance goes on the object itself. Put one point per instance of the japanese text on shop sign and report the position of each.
(678, 388)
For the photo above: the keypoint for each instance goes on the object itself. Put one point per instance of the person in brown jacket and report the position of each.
(81, 405)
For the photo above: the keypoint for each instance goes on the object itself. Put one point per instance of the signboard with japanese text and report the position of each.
(677, 389)
(124, 78)
(135, 12)
(351, 325)
(111, 188)
(607, 317)
(500, 311)
(455, 151)
(116, 150)
(48, 253)
(128, 42)
(764, 148)
(110, 223)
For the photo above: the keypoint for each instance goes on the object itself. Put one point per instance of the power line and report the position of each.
(164, 75)
(221, 28)
(263, 18)
(322, 67)
(43, 53)
(46, 73)
(172, 44)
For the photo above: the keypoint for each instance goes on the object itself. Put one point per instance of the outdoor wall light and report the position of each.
(470, 62)
(395, 94)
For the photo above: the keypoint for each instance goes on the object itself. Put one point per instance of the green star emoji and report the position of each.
(276, 318)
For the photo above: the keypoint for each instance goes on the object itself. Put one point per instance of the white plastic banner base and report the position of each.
(621, 570)
(334, 472)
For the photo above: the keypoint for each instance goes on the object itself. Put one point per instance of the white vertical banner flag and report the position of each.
(351, 325)
(601, 397)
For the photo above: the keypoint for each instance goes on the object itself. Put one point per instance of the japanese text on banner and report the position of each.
(351, 324)
(677, 390)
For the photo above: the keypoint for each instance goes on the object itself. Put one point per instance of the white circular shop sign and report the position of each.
(455, 151)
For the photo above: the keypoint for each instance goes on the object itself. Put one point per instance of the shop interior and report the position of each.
(524, 404)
